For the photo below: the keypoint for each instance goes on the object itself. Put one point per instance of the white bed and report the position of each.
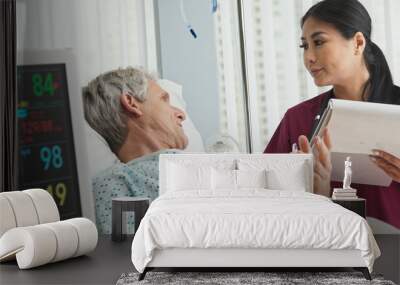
(201, 220)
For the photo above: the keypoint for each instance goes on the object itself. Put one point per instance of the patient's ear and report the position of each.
(131, 105)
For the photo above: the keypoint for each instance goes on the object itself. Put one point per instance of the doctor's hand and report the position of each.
(322, 161)
(387, 162)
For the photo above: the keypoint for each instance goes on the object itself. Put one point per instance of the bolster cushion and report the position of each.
(40, 244)
(26, 208)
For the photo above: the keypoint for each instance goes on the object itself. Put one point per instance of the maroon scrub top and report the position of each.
(383, 203)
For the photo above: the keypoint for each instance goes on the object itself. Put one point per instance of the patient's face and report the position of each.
(328, 56)
(163, 118)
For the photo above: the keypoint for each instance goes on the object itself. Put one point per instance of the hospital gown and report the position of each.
(137, 178)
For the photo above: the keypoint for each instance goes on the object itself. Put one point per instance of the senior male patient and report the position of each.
(134, 115)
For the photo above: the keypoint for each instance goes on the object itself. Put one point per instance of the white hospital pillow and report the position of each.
(251, 178)
(293, 180)
(195, 143)
(223, 179)
(99, 153)
(188, 177)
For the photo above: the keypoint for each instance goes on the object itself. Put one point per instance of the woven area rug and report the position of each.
(230, 278)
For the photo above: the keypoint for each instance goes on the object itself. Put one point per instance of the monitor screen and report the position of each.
(46, 145)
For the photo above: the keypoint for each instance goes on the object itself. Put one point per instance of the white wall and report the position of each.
(103, 34)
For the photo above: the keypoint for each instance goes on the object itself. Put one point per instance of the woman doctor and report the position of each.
(338, 51)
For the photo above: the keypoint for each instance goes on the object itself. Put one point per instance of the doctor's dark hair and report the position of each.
(102, 106)
(350, 17)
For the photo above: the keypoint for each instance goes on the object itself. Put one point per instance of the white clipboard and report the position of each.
(356, 128)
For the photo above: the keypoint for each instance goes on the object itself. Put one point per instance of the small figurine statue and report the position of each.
(347, 174)
(347, 192)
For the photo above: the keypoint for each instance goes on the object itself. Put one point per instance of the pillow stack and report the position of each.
(270, 173)
(31, 230)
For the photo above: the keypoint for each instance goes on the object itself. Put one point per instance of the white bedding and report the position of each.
(252, 218)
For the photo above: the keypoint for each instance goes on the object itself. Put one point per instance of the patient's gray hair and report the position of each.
(102, 106)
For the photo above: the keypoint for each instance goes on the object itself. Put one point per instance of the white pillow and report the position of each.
(223, 179)
(195, 143)
(293, 180)
(188, 177)
(251, 179)
(227, 179)
(284, 172)
(98, 152)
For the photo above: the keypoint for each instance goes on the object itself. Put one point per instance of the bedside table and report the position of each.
(120, 205)
(357, 205)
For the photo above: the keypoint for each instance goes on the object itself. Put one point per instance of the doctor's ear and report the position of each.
(131, 105)
(359, 43)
